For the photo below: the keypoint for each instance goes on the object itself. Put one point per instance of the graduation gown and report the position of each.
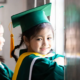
(44, 68)
(5, 72)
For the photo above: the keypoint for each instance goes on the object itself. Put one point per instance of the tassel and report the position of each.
(11, 41)
(11, 45)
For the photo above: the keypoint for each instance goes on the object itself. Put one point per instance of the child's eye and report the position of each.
(49, 38)
(39, 39)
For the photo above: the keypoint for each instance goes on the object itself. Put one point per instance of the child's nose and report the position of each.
(45, 42)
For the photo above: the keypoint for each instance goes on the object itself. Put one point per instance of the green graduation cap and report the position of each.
(32, 17)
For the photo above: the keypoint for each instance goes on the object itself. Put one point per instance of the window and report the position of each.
(57, 21)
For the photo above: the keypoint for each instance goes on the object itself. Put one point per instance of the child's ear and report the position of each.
(26, 41)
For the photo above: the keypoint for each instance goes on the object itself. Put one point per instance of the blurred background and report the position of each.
(72, 39)
(65, 19)
(10, 7)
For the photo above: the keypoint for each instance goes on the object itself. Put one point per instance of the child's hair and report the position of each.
(32, 33)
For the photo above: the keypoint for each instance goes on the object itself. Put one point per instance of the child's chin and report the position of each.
(44, 53)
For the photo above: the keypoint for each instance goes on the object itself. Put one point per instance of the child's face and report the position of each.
(42, 42)
(2, 40)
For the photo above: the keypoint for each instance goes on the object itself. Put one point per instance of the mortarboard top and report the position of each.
(31, 17)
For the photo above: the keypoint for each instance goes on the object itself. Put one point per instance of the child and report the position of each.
(5, 72)
(36, 62)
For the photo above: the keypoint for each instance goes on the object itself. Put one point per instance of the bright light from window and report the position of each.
(57, 21)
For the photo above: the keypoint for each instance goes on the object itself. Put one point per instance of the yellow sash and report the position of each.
(20, 59)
